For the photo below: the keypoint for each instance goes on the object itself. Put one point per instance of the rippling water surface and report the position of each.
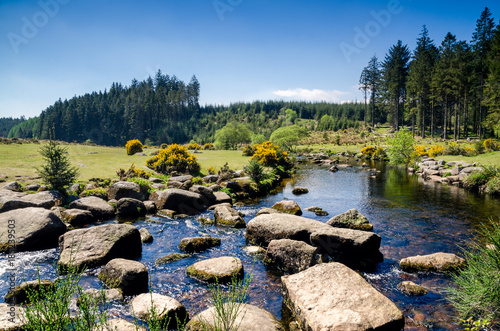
(412, 217)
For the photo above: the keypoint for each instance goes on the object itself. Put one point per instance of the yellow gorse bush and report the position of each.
(491, 145)
(269, 154)
(174, 158)
(420, 150)
(368, 150)
(133, 146)
(194, 146)
(436, 150)
(208, 146)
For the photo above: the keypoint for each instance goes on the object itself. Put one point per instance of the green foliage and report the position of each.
(57, 172)
(290, 116)
(476, 290)
(174, 158)
(98, 192)
(248, 150)
(231, 135)
(133, 146)
(287, 137)
(400, 148)
(51, 310)
(491, 145)
(144, 184)
(478, 180)
(478, 147)
(258, 139)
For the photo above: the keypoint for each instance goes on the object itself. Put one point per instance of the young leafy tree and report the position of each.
(363, 86)
(481, 44)
(395, 73)
(400, 147)
(287, 137)
(231, 135)
(57, 172)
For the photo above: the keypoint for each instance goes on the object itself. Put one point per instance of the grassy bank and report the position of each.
(19, 161)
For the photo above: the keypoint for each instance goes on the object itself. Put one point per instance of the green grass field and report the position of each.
(19, 162)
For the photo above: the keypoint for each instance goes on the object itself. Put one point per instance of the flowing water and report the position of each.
(412, 217)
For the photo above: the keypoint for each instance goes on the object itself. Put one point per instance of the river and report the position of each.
(412, 217)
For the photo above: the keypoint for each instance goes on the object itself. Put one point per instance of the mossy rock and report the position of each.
(198, 244)
(171, 258)
(300, 190)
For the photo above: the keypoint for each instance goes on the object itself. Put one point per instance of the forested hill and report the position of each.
(164, 109)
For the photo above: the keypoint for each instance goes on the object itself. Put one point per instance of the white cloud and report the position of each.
(314, 95)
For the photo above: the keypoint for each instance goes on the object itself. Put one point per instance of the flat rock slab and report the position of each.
(35, 229)
(351, 219)
(20, 293)
(95, 246)
(331, 296)
(119, 324)
(222, 197)
(437, 262)
(131, 277)
(45, 199)
(10, 317)
(146, 236)
(77, 217)
(219, 269)
(125, 190)
(290, 256)
(97, 206)
(167, 309)
(332, 241)
(249, 318)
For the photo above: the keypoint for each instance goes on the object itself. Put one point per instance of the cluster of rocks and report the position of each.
(452, 172)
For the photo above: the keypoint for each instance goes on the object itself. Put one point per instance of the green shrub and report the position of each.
(144, 184)
(476, 290)
(493, 186)
(400, 148)
(478, 179)
(57, 171)
(174, 158)
(248, 150)
(133, 146)
(478, 147)
(98, 192)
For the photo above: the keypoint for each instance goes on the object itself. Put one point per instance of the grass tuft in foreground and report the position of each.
(476, 294)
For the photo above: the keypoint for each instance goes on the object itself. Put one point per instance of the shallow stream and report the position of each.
(412, 217)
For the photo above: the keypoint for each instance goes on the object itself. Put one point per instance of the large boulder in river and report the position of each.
(128, 275)
(219, 269)
(45, 199)
(95, 246)
(249, 318)
(167, 309)
(125, 190)
(331, 296)
(351, 219)
(335, 242)
(288, 206)
(77, 217)
(437, 262)
(97, 206)
(225, 215)
(20, 294)
(129, 208)
(222, 197)
(181, 201)
(290, 256)
(35, 229)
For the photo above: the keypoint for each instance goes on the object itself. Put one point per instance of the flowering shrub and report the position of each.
(420, 150)
(436, 150)
(271, 155)
(211, 170)
(173, 158)
(368, 151)
(249, 150)
(133, 146)
(194, 146)
(208, 146)
(491, 145)
(380, 154)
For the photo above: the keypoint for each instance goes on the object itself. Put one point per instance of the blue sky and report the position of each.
(240, 50)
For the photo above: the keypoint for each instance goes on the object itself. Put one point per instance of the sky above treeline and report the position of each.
(240, 50)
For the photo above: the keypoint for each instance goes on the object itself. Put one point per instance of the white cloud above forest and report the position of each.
(313, 95)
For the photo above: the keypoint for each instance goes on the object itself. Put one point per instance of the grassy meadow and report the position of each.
(19, 161)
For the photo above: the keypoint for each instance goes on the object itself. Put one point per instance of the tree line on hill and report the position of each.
(164, 109)
(454, 86)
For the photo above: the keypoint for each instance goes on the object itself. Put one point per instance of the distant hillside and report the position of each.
(7, 123)
(166, 110)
